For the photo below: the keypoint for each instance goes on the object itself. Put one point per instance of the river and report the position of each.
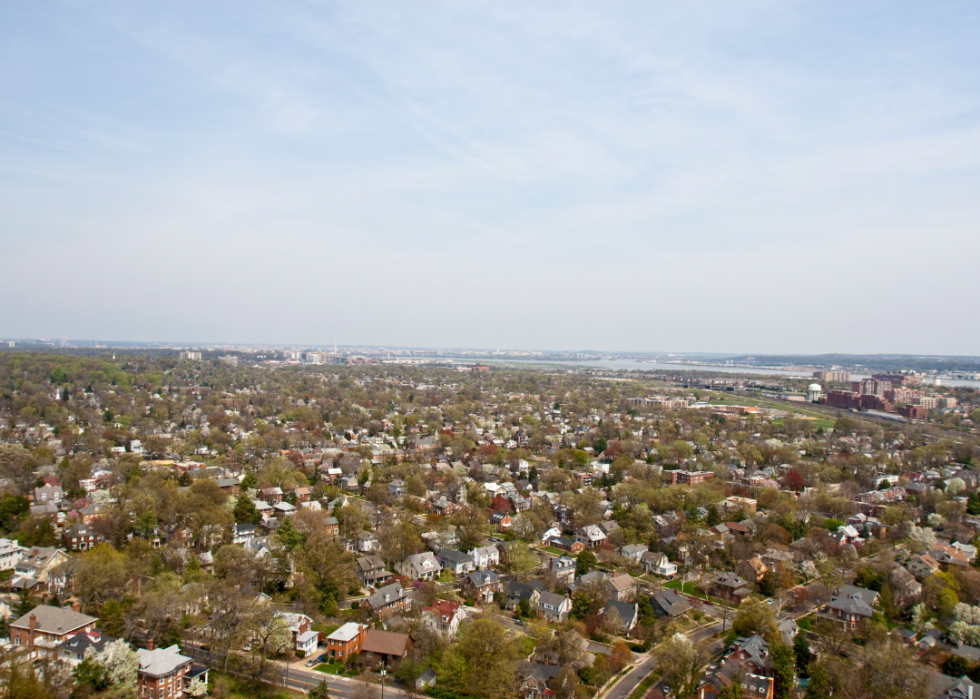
(635, 365)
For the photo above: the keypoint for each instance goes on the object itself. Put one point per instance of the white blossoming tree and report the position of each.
(197, 688)
(119, 662)
(923, 536)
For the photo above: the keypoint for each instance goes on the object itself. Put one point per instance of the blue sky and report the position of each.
(734, 176)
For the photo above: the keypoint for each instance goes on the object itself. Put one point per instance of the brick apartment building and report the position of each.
(690, 477)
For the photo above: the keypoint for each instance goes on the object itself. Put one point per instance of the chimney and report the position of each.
(76, 606)
(33, 626)
(149, 644)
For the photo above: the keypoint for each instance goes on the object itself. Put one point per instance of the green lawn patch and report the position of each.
(237, 688)
(334, 668)
(690, 588)
(554, 550)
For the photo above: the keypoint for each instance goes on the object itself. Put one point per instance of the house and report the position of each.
(387, 601)
(444, 617)
(566, 544)
(870, 597)
(49, 495)
(849, 611)
(501, 520)
(305, 639)
(420, 566)
(486, 556)
(385, 647)
(658, 564)
(10, 553)
(73, 649)
(552, 532)
(36, 570)
(904, 585)
(243, 533)
(552, 607)
(367, 542)
(669, 603)
(164, 672)
(751, 569)
(563, 569)
(371, 570)
(627, 614)
(621, 587)
(747, 662)
(46, 627)
(397, 488)
(481, 585)
(345, 641)
(535, 678)
(634, 551)
(456, 561)
(591, 536)
(517, 591)
(963, 688)
(922, 566)
(331, 524)
(426, 679)
(730, 587)
(949, 557)
(81, 537)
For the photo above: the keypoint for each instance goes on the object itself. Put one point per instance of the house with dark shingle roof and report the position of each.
(669, 603)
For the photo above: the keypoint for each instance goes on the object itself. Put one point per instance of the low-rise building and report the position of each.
(388, 600)
(46, 627)
(345, 641)
(165, 674)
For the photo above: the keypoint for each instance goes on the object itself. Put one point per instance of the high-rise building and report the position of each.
(832, 376)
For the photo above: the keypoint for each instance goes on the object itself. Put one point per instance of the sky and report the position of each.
(768, 177)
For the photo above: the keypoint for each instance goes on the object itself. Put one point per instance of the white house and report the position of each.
(486, 556)
(657, 563)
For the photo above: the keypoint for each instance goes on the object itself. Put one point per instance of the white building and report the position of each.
(10, 553)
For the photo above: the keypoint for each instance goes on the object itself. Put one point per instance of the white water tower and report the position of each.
(813, 393)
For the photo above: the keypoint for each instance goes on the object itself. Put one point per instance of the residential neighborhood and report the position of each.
(297, 524)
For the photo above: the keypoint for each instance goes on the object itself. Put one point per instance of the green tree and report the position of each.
(586, 561)
(249, 481)
(245, 512)
(955, 666)
(491, 660)
(754, 616)
(288, 535)
(321, 691)
(803, 654)
(783, 662)
(714, 518)
(25, 603)
(973, 503)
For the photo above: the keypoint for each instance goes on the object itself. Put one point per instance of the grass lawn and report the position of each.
(555, 551)
(238, 688)
(690, 588)
(327, 629)
(331, 668)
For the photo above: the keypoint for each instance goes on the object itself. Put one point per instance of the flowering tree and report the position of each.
(197, 688)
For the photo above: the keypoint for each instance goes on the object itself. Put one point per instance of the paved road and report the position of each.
(304, 679)
(623, 688)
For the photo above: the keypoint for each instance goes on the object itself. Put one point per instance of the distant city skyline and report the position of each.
(724, 177)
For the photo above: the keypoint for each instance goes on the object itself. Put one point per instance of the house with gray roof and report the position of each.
(458, 562)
